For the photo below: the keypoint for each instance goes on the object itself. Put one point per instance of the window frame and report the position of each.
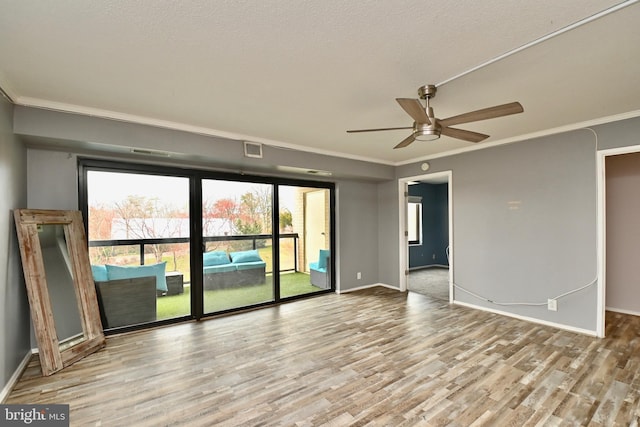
(85, 164)
(417, 216)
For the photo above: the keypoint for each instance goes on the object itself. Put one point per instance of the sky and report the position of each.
(106, 188)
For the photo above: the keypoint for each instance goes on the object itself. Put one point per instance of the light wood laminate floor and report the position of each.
(375, 357)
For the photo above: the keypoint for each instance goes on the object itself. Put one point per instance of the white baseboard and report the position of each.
(15, 377)
(490, 310)
(373, 285)
(623, 311)
(530, 319)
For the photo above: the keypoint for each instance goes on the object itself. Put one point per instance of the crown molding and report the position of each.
(167, 124)
(524, 137)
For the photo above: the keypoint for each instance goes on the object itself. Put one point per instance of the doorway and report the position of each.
(315, 233)
(618, 180)
(426, 237)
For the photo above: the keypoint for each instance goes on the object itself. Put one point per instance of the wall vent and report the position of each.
(252, 149)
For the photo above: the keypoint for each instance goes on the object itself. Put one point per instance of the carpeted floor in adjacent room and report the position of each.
(432, 281)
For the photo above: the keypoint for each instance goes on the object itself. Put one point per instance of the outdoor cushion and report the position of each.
(250, 265)
(115, 272)
(322, 260)
(245, 256)
(99, 273)
(224, 268)
(321, 264)
(215, 258)
(315, 266)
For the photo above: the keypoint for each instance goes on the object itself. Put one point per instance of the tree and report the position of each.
(286, 219)
(146, 218)
(227, 211)
(255, 211)
(99, 222)
(218, 219)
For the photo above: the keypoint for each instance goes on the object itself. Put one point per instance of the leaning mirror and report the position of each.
(62, 295)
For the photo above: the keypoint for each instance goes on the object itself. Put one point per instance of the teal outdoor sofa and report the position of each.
(127, 294)
(221, 270)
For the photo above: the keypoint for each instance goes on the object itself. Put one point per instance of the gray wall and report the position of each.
(524, 219)
(84, 134)
(388, 234)
(14, 308)
(623, 133)
(357, 218)
(53, 180)
(524, 225)
(53, 185)
(57, 139)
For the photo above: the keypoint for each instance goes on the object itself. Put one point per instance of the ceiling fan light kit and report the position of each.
(426, 127)
(425, 136)
(424, 132)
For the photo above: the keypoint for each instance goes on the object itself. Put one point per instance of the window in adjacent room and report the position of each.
(414, 221)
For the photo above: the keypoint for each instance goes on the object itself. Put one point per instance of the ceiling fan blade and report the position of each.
(408, 140)
(465, 135)
(376, 130)
(414, 108)
(484, 114)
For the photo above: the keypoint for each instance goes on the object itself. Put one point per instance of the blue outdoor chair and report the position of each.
(321, 270)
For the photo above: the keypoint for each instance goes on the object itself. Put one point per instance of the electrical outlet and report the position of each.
(358, 275)
(552, 304)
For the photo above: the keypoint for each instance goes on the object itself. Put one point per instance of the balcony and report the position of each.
(176, 253)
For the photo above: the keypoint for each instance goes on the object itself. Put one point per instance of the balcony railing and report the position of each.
(253, 238)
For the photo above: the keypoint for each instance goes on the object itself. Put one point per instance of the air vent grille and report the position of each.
(252, 149)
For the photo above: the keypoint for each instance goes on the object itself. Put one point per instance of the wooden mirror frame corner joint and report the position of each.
(52, 357)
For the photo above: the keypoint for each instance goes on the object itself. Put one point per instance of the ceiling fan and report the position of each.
(426, 127)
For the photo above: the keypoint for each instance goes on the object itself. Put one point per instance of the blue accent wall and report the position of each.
(435, 226)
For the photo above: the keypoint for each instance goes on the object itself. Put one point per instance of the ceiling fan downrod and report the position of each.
(427, 92)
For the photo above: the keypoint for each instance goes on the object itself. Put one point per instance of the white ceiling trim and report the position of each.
(546, 132)
(166, 124)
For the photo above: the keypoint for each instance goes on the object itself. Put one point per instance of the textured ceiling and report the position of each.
(300, 73)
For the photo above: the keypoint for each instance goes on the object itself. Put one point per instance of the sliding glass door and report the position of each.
(138, 228)
(168, 244)
(305, 240)
(237, 263)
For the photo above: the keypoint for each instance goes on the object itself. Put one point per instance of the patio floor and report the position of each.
(291, 284)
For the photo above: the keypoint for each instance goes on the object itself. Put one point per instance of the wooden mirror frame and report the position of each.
(52, 357)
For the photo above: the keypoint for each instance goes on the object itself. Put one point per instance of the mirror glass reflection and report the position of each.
(59, 274)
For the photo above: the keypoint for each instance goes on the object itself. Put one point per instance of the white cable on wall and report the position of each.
(596, 136)
(532, 304)
(535, 304)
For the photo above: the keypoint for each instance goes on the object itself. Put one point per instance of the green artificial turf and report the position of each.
(179, 305)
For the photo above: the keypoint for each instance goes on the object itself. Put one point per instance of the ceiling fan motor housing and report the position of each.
(427, 91)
